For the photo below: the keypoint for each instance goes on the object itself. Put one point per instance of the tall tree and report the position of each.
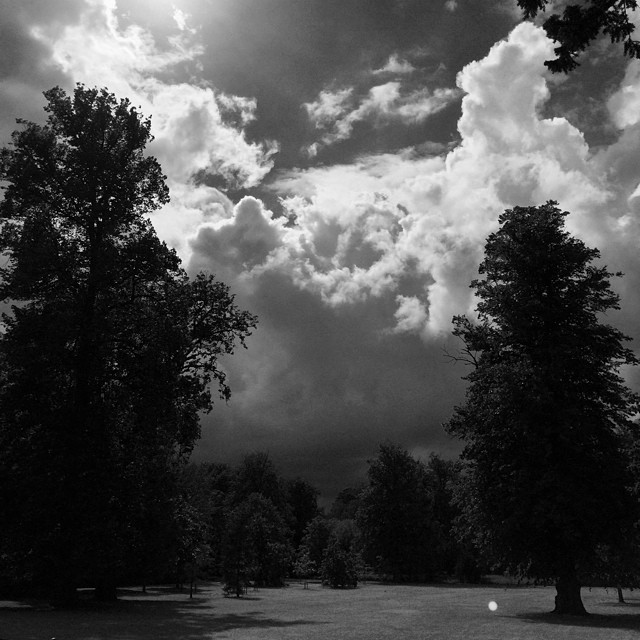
(444, 477)
(341, 560)
(110, 349)
(346, 503)
(396, 516)
(302, 498)
(316, 537)
(546, 408)
(257, 545)
(258, 474)
(580, 23)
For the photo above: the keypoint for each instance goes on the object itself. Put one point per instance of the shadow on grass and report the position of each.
(617, 621)
(249, 620)
(142, 618)
(448, 585)
(199, 595)
(628, 604)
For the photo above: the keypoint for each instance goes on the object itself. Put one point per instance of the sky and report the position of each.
(340, 164)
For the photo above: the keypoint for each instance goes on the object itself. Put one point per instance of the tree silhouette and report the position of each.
(396, 516)
(109, 351)
(581, 23)
(547, 413)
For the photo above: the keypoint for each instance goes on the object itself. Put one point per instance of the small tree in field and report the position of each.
(257, 548)
(547, 413)
(303, 567)
(341, 560)
(316, 537)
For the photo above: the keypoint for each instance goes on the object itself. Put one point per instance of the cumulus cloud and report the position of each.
(181, 19)
(198, 130)
(409, 229)
(624, 104)
(317, 375)
(335, 114)
(356, 298)
(329, 107)
(234, 246)
(411, 314)
(396, 65)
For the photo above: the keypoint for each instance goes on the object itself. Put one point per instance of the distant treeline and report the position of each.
(250, 526)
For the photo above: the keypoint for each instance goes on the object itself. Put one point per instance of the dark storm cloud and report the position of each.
(320, 387)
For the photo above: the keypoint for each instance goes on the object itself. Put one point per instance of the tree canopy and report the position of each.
(547, 413)
(109, 351)
(581, 23)
(396, 516)
(257, 545)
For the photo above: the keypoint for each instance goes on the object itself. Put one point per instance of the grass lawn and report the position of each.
(371, 612)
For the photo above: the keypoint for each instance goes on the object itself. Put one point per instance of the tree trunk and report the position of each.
(620, 596)
(568, 599)
(64, 594)
(106, 592)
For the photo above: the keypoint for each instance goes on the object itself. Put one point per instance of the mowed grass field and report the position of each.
(371, 612)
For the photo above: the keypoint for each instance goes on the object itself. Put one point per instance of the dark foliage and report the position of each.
(346, 504)
(546, 409)
(580, 23)
(302, 499)
(341, 560)
(316, 537)
(446, 550)
(108, 353)
(257, 546)
(396, 516)
(257, 474)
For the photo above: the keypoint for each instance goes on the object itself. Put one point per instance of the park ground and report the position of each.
(372, 611)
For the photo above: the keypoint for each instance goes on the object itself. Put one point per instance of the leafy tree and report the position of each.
(619, 566)
(346, 504)
(471, 559)
(341, 560)
(198, 507)
(257, 474)
(302, 498)
(192, 549)
(303, 566)
(396, 516)
(217, 482)
(546, 408)
(444, 476)
(316, 537)
(581, 23)
(109, 351)
(257, 546)
(152, 531)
